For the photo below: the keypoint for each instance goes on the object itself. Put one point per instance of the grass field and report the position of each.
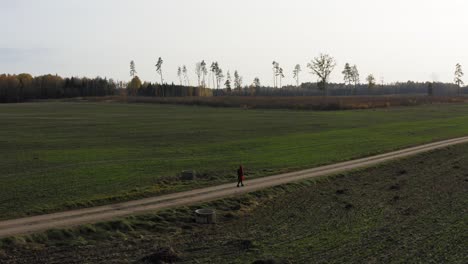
(55, 156)
(409, 211)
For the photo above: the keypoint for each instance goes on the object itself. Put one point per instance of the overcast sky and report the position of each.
(398, 40)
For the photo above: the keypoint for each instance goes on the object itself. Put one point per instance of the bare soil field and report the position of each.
(327, 103)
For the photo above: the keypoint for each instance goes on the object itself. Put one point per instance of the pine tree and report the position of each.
(347, 74)
(355, 77)
(228, 82)
(159, 68)
(238, 81)
(133, 71)
(458, 75)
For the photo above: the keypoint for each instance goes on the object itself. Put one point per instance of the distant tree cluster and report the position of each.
(136, 88)
(340, 89)
(278, 75)
(23, 87)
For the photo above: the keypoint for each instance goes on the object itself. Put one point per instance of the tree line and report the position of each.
(321, 66)
(341, 89)
(23, 87)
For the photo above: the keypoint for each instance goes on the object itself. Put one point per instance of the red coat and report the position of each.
(240, 172)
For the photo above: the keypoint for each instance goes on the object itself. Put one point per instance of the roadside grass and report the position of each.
(56, 156)
(412, 210)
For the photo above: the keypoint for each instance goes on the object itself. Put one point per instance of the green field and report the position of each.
(412, 210)
(63, 155)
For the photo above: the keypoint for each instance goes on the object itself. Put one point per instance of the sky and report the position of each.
(396, 40)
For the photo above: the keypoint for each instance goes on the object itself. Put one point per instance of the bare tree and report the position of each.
(132, 69)
(296, 71)
(275, 73)
(281, 76)
(458, 75)
(179, 74)
(185, 74)
(214, 69)
(322, 66)
(219, 76)
(159, 69)
(204, 72)
(198, 71)
(228, 82)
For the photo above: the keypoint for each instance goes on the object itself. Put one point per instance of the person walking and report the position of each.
(240, 176)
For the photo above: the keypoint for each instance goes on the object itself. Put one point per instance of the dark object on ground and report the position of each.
(247, 244)
(205, 216)
(342, 191)
(266, 261)
(188, 175)
(162, 255)
(402, 172)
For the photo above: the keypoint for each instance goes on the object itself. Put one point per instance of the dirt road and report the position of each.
(106, 212)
